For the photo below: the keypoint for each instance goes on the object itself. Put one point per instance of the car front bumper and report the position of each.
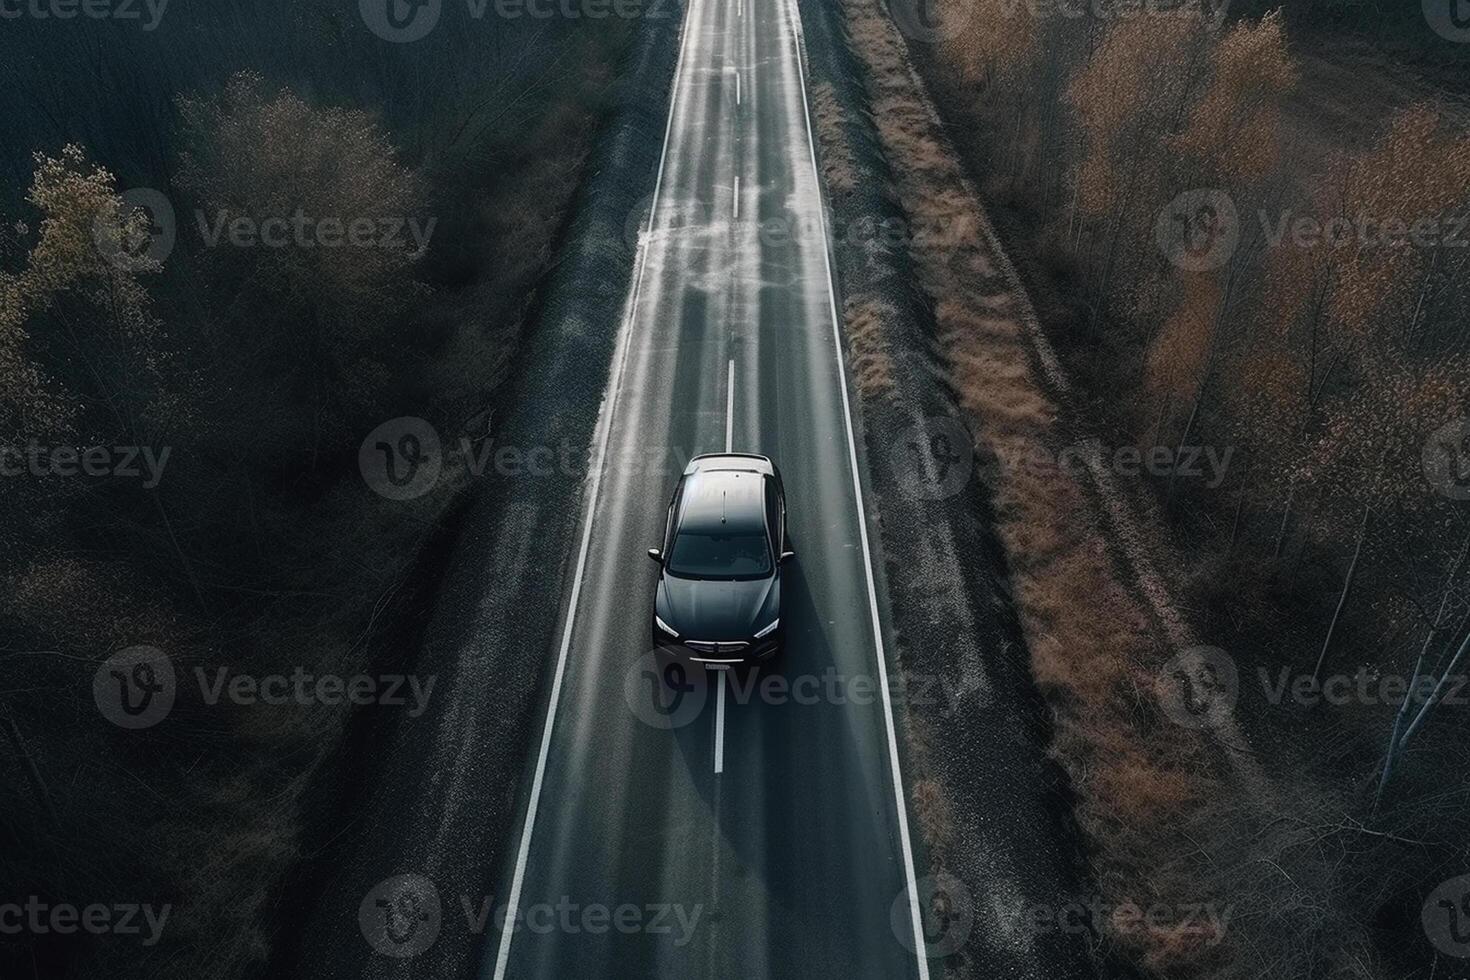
(721, 653)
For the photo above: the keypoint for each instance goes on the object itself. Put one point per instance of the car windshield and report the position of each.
(736, 554)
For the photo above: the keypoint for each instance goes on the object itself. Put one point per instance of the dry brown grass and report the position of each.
(872, 367)
(932, 809)
(838, 165)
(1324, 367)
(1094, 652)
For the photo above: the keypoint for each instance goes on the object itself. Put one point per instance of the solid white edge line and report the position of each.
(857, 487)
(720, 723)
(730, 407)
(502, 958)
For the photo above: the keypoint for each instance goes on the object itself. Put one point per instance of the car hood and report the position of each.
(704, 609)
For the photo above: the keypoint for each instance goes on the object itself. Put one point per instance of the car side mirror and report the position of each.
(787, 556)
(656, 555)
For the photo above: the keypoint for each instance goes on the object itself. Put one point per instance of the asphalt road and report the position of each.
(703, 828)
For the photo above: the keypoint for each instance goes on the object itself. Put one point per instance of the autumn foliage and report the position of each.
(257, 371)
(1324, 346)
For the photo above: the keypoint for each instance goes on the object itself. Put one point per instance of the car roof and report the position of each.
(731, 461)
(723, 500)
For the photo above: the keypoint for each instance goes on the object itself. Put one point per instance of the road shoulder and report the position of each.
(445, 796)
(997, 846)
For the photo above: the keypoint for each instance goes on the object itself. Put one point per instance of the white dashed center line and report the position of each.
(720, 721)
(730, 407)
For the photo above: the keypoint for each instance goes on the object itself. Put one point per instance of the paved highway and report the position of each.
(711, 830)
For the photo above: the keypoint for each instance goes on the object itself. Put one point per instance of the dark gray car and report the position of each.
(718, 599)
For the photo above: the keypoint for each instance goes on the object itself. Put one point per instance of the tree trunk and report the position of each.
(1394, 742)
(1199, 398)
(1285, 518)
(1235, 522)
(1395, 738)
(33, 773)
(1438, 691)
(1347, 584)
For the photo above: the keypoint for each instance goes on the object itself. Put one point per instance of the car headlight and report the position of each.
(665, 626)
(765, 631)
